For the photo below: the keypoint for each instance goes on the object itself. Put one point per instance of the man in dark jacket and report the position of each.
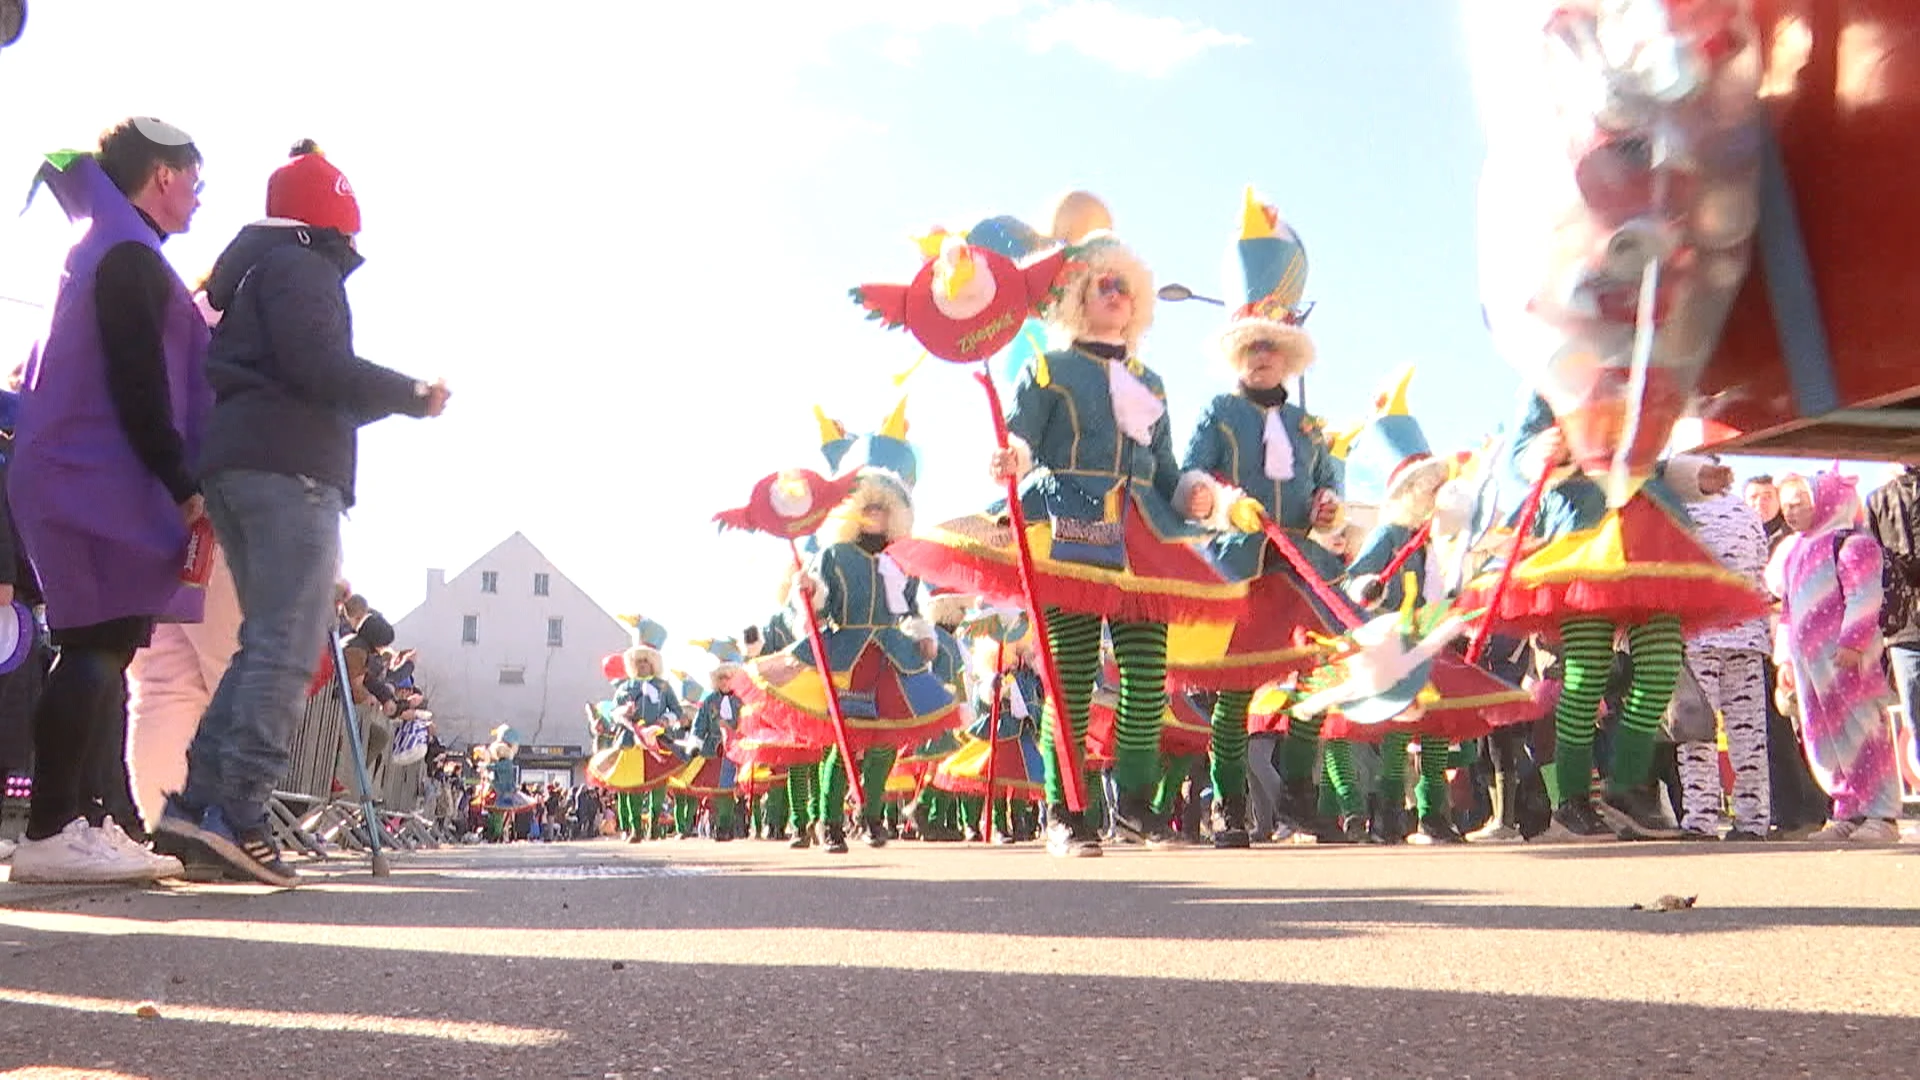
(277, 467)
(1893, 512)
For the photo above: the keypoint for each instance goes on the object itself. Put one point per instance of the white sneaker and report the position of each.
(6, 850)
(1875, 831)
(1834, 832)
(164, 866)
(76, 856)
(1493, 832)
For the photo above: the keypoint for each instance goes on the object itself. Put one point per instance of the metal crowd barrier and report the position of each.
(317, 803)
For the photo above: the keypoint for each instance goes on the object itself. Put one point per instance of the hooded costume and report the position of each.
(1828, 581)
(103, 532)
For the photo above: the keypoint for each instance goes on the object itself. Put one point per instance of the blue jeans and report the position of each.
(1905, 662)
(281, 536)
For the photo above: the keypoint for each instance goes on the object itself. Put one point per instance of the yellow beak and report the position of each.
(960, 274)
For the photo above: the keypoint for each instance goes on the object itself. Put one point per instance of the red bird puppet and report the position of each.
(967, 302)
(789, 504)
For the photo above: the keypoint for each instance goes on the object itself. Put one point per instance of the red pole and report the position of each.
(1483, 635)
(1284, 544)
(825, 668)
(993, 735)
(1063, 742)
(1420, 536)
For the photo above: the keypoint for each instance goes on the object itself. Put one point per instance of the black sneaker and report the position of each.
(1134, 821)
(1699, 836)
(1352, 829)
(834, 839)
(248, 850)
(1232, 829)
(1436, 829)
(1577, 822)
(1389, 826)
(876, 834)
(1069, 836)
(1635, 815)
(802, 838)
(1743, 836)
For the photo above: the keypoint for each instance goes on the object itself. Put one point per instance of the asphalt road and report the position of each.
(688, 958)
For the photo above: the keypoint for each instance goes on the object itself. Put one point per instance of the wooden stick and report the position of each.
(1065, 751)
(825, 668)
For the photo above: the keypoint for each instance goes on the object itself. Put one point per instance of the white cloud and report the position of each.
(1150, 45)
(901, 49)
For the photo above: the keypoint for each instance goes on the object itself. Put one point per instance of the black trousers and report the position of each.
(80, 729)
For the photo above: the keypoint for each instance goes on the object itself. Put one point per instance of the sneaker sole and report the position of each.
(1628, 828)
(226, 852)
(144, 877)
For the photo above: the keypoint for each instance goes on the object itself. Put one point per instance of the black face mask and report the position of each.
(1266, 399)
(1102, 349)
(871, 543)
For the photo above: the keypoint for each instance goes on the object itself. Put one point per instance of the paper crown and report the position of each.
(646, 632)
(690, 690)
(1391, 449)
(1272, 264)
(725, 650)
(1006, 235)
(886, 449)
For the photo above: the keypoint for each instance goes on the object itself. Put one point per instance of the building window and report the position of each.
(541, 585)
(470, 630)
(556, 633)
(489, 581)
(513, 676)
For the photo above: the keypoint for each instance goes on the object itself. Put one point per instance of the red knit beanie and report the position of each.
(310, 189)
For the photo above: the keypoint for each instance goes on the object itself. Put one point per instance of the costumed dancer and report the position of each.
(1828, 648)
(1598, 572)
(1393, 462)
(1003, 748)
(1256, 443)
(710, 774)
(879, 648)
(1619, 204)
(503, 798)
(935, 813)
(638, 764)
(1093, 448)
(763, 750)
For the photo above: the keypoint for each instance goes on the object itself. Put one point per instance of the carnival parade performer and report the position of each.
(1598, 571)
(1093, 447)
(1256, 443)
(710, 773)
(637, 766)
(879, 648)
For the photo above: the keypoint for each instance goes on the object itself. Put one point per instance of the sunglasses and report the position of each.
(1107, 285)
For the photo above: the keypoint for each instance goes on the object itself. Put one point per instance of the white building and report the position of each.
(510, 640)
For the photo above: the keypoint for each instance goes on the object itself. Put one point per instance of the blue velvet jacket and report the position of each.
(1032, 691)
(656, 704)
(719, 717)
(1229, 444)
(1081, 458)
(855, 612)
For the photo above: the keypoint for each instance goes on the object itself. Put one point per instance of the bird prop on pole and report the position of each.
(966, 304)
(792, 504)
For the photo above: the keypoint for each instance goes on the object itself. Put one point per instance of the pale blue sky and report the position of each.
(624, 233)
